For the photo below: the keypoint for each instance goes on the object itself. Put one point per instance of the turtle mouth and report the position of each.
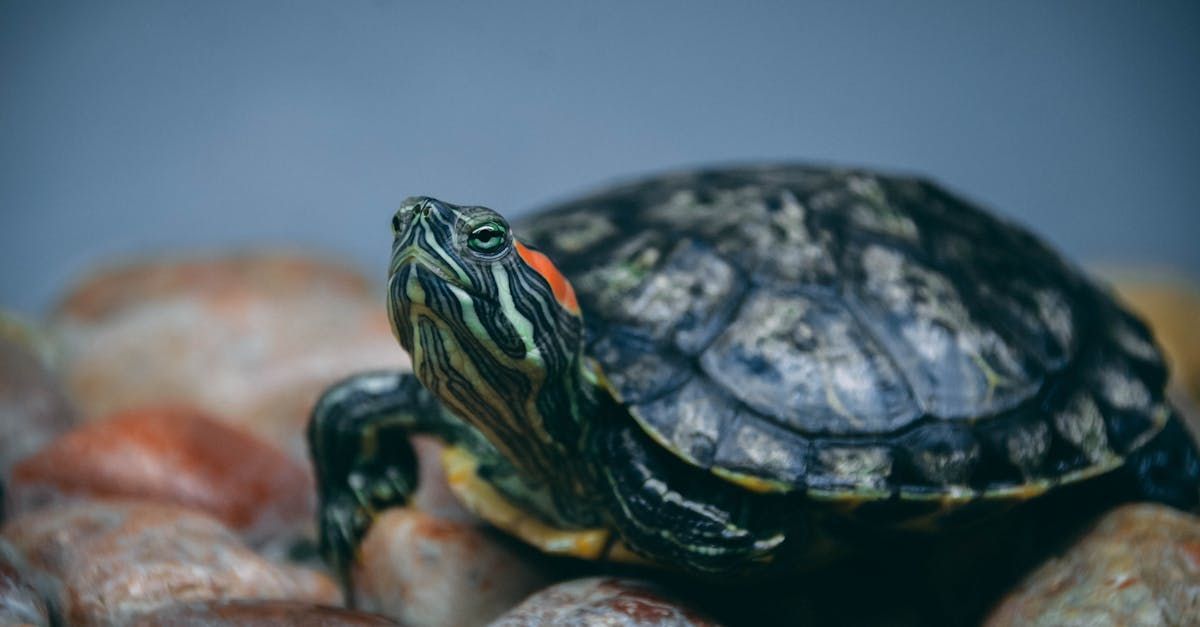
(413, 257)
(416, 264)
(422, 284)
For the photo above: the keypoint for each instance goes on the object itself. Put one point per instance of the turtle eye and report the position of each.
(487, 238)
(396, 224)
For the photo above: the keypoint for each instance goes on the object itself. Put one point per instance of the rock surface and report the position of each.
(601, 601)
(433, 495)
(20, 604)
(107, 561)
(251, 338)
(1140, 565)
(174, 455)
(257, 614)
(33, 406)
(422, 570)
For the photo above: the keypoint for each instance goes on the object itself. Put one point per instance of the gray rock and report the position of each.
(257, 614)
(20, 603)
(602, 601)
(1139, 565)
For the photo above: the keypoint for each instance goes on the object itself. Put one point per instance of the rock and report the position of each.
(251, 338)
(422, 570)
(20, 604)
(108, 561)
(433, 495)
(1140, 565)
(33, 406)
(601, 601)
(174, 455)
(257, 614)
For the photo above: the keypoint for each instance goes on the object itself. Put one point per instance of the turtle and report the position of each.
(735, 370)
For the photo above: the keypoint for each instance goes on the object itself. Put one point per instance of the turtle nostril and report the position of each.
(416, 206)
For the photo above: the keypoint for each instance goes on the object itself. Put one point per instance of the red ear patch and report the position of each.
(563, 292)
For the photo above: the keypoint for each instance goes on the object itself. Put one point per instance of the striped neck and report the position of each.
(497, 337)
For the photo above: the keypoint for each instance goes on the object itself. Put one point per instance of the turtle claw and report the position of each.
(348, 507)
(342, 525)
(363, 461)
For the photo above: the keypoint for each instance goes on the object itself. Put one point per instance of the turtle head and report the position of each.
(492, 326)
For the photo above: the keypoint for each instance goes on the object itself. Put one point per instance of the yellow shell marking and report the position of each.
(485, 501)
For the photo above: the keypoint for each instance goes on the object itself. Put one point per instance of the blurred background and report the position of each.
(132, 128)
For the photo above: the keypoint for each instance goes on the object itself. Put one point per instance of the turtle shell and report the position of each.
(851, 335)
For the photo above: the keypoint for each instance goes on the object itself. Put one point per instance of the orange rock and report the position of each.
(422, 570)
(103, 562)
(251, 338)
(175, 455)
(229, 279)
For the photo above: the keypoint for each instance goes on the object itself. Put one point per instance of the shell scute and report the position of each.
(755, 448)
(959, 366)
(942, 453)
(636, 369)
(689, 420)
(803, 360)
(686, 301)
(850, 467)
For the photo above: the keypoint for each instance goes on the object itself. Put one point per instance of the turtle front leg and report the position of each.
(677, 514)
(358, 439)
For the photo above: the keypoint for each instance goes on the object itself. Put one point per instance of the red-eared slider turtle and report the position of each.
(716, 371)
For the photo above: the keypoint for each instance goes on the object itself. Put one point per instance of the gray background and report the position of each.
(131, 128)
